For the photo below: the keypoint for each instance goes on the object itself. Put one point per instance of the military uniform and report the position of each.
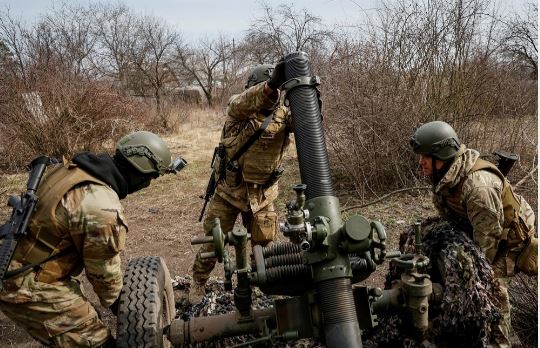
(249, 191)
(79, 212)
(476, 195)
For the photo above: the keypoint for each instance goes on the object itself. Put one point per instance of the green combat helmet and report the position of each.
(259, 74)
(146, 152)
(437, 139)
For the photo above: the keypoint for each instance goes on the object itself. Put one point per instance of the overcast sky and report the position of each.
(197, 18)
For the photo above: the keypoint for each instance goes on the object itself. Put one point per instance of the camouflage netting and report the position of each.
(469, 305)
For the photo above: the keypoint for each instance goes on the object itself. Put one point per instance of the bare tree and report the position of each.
(283, 30)
(416, 62)
(60, 42)
(13, 36)
(210, 65)
(71, 28)
(116, 40)
(152, 55)
(520, 39)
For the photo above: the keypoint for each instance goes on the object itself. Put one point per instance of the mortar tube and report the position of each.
(308, 130)
(341, 327)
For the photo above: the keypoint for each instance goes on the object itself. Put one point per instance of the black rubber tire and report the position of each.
(146, 304)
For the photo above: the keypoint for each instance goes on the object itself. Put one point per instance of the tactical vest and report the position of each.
(515, 230)
(266, 153)
(46, 234)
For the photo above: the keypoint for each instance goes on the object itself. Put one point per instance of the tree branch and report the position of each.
(529, 174)
(386, 196)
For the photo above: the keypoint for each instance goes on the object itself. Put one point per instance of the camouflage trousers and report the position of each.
(262, 226)
(502, 331)
(56, 314)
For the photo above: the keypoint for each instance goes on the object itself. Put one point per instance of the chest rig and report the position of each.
(265, 155)
(515, 231)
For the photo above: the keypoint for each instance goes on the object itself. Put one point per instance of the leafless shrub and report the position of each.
(60, 118)
(523, 293)
(417, 63)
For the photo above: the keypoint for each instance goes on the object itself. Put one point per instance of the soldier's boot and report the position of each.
(196, 293)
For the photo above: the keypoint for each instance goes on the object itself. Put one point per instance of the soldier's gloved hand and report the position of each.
(114, 307)
(278, 75)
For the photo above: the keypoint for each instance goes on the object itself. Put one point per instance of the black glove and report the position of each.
(278, 75)
(114, 307)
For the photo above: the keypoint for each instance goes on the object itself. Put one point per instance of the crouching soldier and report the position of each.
(80, 220)
(474, 194)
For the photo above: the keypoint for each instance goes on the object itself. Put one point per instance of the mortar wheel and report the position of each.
(146, 304)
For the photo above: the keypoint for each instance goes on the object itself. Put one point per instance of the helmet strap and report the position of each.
(438, 174)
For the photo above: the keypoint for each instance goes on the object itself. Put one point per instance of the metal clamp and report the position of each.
(411, 261)
(311, 81)
(379, 257)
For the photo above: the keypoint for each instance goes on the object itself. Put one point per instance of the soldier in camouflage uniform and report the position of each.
(251, 189)
(79, 213)
(474, 194)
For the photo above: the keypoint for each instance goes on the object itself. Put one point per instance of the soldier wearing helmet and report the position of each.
(79, 217)
(249, 185)
(474, 194)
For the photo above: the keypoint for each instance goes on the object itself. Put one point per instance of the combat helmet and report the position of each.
(146, 152)
(259, 74)
(437, 139)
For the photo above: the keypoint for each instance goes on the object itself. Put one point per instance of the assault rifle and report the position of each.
(218, 172)
(16, 227)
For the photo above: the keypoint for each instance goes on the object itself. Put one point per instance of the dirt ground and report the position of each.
(163, 218)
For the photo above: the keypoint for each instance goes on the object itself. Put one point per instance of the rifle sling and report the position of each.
(15, 272)
(251, 139)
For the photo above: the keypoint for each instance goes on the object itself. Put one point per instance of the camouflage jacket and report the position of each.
(479, 193)
(251, 189)
(88, 218)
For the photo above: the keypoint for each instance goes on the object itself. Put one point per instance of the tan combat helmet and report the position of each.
(147, 153)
